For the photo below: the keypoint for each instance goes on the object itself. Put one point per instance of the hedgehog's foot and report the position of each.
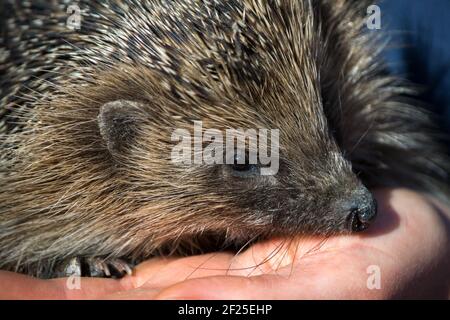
(94, 267)
(109, 268)
(69, 268)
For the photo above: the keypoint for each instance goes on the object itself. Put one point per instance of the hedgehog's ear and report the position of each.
(117, 122)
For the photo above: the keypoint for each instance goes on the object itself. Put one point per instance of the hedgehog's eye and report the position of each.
(242, 167)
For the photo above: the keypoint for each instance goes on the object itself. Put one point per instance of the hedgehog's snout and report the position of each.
(360, 210)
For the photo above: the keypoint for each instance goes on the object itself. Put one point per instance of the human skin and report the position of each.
(409, 244)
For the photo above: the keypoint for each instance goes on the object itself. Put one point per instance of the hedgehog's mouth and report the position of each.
(208, 242)
(355, 224)
(360, 219)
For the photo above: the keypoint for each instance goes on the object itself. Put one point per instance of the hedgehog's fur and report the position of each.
(305, 67)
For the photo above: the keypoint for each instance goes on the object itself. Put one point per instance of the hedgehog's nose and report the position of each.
(362, 210)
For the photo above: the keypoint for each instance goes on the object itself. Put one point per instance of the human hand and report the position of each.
(408, 244)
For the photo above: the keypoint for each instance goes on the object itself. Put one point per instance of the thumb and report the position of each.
(263, 287)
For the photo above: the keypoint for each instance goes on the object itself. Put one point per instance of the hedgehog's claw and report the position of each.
(93, 267)
(109, 268)
(69, 268)
(121, 266)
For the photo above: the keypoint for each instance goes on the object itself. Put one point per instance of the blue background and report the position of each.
(420, 48)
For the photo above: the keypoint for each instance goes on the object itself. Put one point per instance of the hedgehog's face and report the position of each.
(290, 80)
(303, 185)
(318, 194)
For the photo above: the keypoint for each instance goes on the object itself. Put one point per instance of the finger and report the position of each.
(135, 294)
(90, 288)
(266, 257)
(330, 276)
(17, 286)
(229, 287)
(162, 272)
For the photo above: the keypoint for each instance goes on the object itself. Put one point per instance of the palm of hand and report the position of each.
(405, 254)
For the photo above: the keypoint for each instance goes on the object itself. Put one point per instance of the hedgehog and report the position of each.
(87, 111)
